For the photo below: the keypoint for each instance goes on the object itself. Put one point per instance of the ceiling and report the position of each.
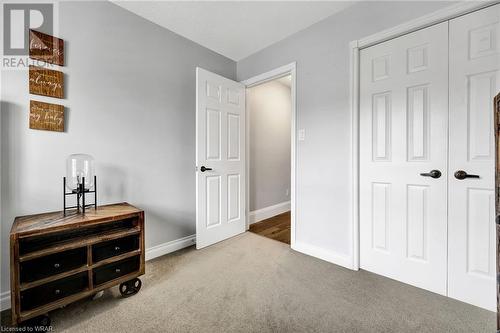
(235, 29)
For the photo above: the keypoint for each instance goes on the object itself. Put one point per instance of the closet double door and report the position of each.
(427, 157)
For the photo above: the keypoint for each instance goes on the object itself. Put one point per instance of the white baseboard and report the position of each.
(267, 212)
(165, 248)
(5, 301)
(330, 256)
(151, 253)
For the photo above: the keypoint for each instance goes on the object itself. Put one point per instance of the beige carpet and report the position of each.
(253, 284)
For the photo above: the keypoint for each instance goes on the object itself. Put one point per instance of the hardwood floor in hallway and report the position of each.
(276, 227)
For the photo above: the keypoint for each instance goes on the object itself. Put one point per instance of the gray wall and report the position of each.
(270, 109)
(130, 93)
(323, 159)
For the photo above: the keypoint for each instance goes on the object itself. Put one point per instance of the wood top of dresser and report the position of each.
(56, 221)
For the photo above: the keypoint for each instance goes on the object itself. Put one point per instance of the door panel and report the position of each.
(213, 134)
(380, 221)
(233, 195)
(213, 200)
(403, 126)
(418, 125)
(220, 142)
(474, 81)
(417, 197)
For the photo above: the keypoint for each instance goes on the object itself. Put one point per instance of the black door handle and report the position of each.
(203, 169)
(433, 174)
(461, 175)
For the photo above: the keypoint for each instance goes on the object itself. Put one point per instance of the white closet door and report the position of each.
(474, 81)
(403, 133)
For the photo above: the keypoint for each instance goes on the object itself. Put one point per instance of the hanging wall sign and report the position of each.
(46, 116)
(46, 82)
(46, 48)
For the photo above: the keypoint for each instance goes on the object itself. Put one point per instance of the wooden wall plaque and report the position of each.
(46, 82)
(46, 116)
(46, 48)
(496, 108)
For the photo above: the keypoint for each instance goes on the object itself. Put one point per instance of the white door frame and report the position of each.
(285, 70)
(355, 47)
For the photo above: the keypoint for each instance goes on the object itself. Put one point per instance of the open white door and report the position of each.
(220, 158)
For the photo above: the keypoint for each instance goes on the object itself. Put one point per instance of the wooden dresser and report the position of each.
(57, 259)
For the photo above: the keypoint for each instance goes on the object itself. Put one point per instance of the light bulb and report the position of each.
(79, 166)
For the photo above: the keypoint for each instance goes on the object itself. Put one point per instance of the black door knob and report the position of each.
(203, 169)
(461, 175)
(433, 174)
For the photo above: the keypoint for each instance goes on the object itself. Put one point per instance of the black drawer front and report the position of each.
(114, 247)
(43, 267)
(50, 292)
(115, 270)
(36, 243)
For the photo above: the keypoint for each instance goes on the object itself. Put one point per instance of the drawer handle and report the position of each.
(117, 248)
(56, 265)
(57, 291)
(118, 270)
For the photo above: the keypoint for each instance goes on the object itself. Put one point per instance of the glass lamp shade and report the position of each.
(79, 166)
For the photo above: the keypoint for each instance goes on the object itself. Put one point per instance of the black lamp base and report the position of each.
(80, 193)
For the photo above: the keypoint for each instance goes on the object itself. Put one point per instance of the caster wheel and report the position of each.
(44, 320)
(130, 288)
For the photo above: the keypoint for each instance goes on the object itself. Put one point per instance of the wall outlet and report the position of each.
(287, 192)
(302, 134)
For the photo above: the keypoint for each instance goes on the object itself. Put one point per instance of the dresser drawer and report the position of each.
(43, 267)
(114, 247)
(52, 291)
(115, 270)
(39, 242)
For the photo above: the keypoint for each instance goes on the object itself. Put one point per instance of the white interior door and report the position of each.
(403, 133)
(220, 158)
(474, 81)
